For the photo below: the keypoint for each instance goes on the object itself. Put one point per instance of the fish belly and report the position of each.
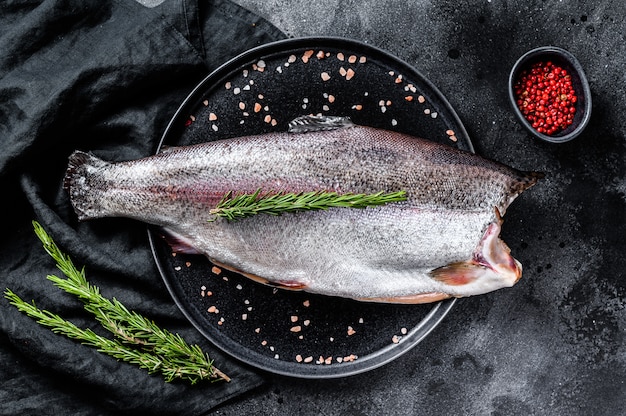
(377, 252)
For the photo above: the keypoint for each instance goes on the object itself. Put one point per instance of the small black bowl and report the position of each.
(568, 62)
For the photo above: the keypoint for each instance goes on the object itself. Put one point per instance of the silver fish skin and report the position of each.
(443, 241)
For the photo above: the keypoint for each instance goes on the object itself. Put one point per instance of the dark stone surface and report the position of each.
(555, 343)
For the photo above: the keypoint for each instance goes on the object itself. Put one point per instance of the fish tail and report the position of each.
(79, 183)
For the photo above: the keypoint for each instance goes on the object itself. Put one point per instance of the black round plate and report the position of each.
(296, 333)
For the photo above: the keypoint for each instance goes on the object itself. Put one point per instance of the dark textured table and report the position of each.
(555, 343)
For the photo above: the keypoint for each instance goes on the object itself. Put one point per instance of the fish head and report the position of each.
(491, 267)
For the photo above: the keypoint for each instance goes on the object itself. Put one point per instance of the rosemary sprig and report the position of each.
(234, 207)
(142, 341)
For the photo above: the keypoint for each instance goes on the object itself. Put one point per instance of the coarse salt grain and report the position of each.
(352, 59)
(434, 114)
(276, 356)
(216, 270)
(325, 107)
(362, 59)
(291, 59)
(242, 105)
(299, 358)
(296, 328)
(349, 74)
(340, 56)
(325, 76)
(257, 330)
(351, 331)
(237, 90)
(267, 118)
(307, 322)
(227, 85)
(395, 339)
(421, 99)
(214, 127)
(357, 107)
(205, 102)
(264, 342)
(450, 132)
(239, 287)
(394, 122)
(342, 71)
(308, 359)
(328, 360)
(244, 316)
(409, 98)
(320, 55)
(279, 69)
(307, 55)
(257, 107)
(294, 318)
(403, 331)
(331, 99)
(306, 303)
(212, 116)
(177, 268)
(188, 263)
(427, 111)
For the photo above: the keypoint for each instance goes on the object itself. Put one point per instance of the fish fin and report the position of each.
(82, 185)
(76, 162)
(289, 285)
(165, 149)
(418, 298)
(459, 273)
(525, 181)
(305, 124)
(178, 243)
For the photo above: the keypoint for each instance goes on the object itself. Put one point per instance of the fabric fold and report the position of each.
(103, 76)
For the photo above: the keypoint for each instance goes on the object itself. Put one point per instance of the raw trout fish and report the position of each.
(443, 241)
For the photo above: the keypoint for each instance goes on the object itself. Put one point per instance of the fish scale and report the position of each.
(442, 241)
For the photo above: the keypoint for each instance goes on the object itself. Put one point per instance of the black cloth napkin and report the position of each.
(105, 76)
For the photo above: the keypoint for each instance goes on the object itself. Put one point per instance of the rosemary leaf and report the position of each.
(234, 207)
(140, 339)
(150, 362)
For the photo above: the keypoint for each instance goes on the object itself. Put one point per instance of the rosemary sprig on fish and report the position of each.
(442, 241)
(238, 206)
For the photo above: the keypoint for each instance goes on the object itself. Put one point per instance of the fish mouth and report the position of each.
(494, 254)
